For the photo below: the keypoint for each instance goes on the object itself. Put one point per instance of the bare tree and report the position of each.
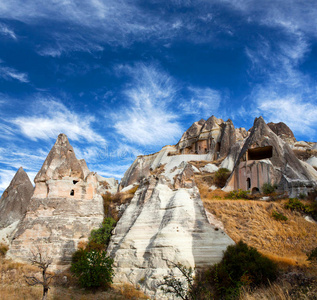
(43, 262)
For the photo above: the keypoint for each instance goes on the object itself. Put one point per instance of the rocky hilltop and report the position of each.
(66, 205)
(13, 204)
(166, 222)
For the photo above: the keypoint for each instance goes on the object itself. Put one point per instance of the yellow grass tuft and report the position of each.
(273, 292)
(128, 291)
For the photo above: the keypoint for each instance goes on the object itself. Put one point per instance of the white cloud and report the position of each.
(10, 73)
(299, 115)
(5, 30)
(285, 94)
(117, 171)
(51, 118)
(293, 16)
(5, 179)
(203, 102)
(147, 120)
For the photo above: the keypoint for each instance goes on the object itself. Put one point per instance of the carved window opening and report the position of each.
(260, 153)
(248, 183)
(255, 190)
(72, 193)
(75, 181)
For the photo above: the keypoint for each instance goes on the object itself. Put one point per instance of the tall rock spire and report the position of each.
(64, 208)
(14, 201)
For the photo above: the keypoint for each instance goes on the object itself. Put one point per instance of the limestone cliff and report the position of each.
(64, 208)
(13, 204)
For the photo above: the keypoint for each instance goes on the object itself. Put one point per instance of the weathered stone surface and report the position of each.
(162, 225)
(266, 158)
(213, 136)
(283, 131)
(144, 165)
(64, 208)
(13, 204)
(209, 168)
(61, 162)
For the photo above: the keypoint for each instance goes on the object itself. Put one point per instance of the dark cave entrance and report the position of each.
(260, 153)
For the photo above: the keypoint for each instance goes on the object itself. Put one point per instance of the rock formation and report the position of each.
(212, 136)
(266, 158)
(13, 204)
(164, 224)
(283, 131)
(64, 208)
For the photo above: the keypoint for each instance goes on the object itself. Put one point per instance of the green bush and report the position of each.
(99, 238)
(313, 255)
(221, 177)
(279, 217)
(295, 204)
(93, 268)
(268, 188)
(239, 194)
(241, 265)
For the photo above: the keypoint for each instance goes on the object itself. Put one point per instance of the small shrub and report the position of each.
(295, 204)
(268, 188)
(93, 268)
(239, 194)
(241, 265)
(221, 177)
(99, 238)
(302, 196)
(180, 287)
(312, 255)
(279, 217)
(3, 249)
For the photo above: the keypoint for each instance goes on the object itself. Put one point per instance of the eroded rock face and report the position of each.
(64, 208)
(13, 204)
(162, 226)
(266, 158)
(212, 136)
(283, 131)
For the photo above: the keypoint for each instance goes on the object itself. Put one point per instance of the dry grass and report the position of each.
(203, 182)
(251, 221)
(273, 292)
(130, 292)
(13, 286)
(111, 202)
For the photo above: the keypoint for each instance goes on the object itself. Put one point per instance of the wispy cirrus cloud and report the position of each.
(51, 117)
(88, 25)
(7, 31)
(286, 93)
(298, 114)
(203, 102)
(290, 15)
(147, 120)
(8, 73)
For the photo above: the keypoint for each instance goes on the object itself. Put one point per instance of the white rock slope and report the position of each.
(160, 226)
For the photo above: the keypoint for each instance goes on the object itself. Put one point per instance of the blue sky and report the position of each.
(123, 78)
